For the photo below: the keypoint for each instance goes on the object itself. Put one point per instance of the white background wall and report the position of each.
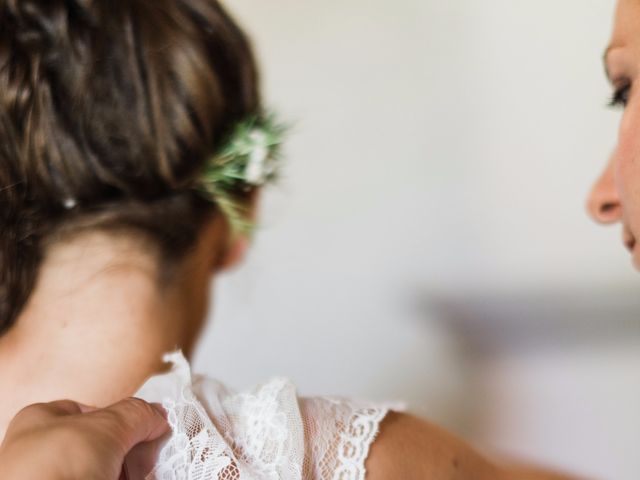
(442, 148)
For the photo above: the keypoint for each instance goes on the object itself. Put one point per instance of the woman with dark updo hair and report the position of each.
(133, 145)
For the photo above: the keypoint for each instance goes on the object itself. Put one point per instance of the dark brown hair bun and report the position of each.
(112, 106)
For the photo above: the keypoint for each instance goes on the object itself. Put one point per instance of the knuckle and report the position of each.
(30, 413)
(31, 409)
(62, 407)
(56, 407)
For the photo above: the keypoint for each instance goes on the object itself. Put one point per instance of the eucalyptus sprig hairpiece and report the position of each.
(250, 157)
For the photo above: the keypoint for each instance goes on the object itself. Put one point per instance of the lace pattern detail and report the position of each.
(360, 431)
(340, 433)
(195, 449)
(268, 433)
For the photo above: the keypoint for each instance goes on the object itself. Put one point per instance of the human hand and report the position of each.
(65, 440)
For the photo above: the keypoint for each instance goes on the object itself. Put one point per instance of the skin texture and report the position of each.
(615, 197)
(99, 322)
(97, 311)
(411, 448)
(64, 440)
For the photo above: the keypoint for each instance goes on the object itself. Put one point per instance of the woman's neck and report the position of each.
(96, 325)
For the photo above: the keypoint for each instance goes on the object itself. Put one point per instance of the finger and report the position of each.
(61, 408)
(135, 420)
(41, 412)
(68, 407)
(142, 458)
(87, 408)
(124, 474)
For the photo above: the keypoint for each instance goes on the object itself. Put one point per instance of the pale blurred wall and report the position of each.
(440, 146)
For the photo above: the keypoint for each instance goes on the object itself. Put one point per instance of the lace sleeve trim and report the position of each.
(355, 443)
(268, 433)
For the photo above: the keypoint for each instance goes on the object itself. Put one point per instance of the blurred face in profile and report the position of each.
(615, 196)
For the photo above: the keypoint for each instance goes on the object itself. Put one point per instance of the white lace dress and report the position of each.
(268, 433)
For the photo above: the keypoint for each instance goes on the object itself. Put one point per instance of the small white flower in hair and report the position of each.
(249, 157)
(256, 169)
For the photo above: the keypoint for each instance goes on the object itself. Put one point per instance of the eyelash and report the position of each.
(620, 96)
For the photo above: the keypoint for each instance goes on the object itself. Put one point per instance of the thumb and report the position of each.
(134, 420)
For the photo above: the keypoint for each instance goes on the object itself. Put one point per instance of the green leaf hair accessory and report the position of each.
(250, 157)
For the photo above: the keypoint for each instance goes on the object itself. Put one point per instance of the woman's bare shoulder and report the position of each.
(411, 448)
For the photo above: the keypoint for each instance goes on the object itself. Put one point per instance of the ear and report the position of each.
(237, 250)
(234, 254)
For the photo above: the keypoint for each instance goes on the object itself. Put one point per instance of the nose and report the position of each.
(603, 203)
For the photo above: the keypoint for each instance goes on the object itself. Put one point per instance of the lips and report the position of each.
(628, 239)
